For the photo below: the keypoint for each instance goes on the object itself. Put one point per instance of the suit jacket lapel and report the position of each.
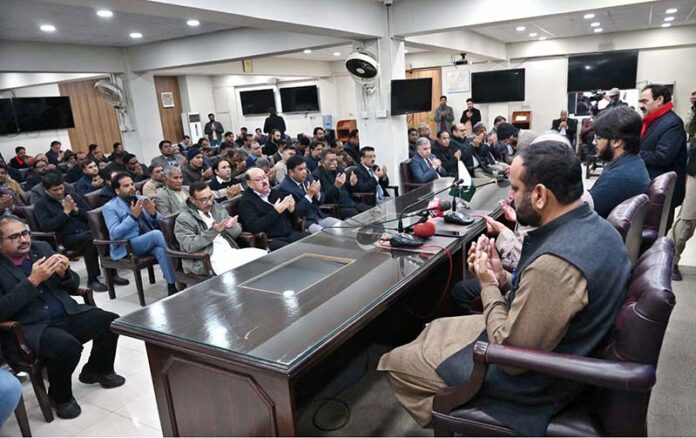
(15, 271)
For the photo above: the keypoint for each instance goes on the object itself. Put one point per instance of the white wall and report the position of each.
(670, 65)
(35, 142)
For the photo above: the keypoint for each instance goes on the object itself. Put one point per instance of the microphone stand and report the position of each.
(400, 226)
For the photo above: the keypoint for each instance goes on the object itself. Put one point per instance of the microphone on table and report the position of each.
(442, 205)
(459, 218)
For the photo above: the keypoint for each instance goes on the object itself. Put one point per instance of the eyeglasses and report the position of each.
(260, 178)
(15, 237)
(204, 200)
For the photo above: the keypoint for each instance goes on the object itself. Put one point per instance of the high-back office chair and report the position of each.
(139, 186)
(102, 241)
(619, 380)
(174, 252)
(628, 219)
(93, 199)
(54, 239)
(21, 358)
(256, 240)
(407, 181)
(659, 194)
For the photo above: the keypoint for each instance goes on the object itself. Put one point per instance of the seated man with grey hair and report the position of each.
(483, 155)
(425, 166)
(172, 197)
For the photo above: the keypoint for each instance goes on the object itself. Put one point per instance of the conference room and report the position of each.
(357, 217)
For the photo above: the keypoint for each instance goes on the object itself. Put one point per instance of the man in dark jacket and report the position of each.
(273, 121)
(458, 141)
(565, 126)
(470, 114)
(447, 154)
(334, 185)
(35, 288)
(91, 180)
(663, 140)
(371, 178)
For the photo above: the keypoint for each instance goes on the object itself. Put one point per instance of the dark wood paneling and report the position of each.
(171, 117)
(95, 120)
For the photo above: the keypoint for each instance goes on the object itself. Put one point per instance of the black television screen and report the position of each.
(411, 96)
(498, 86)
(8, 124)
(300, 99)
(256, 101)
(603, 71)
(43, 113)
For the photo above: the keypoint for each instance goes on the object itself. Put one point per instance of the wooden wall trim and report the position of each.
(170, 116)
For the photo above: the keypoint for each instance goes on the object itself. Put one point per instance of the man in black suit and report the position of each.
(35, 288)
(263, 210)
(334, 185)
(470, 114)
(565, 126)
(371, 178)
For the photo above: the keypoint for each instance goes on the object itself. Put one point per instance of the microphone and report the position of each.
(400, 226)
(438, 207)
(424, 230)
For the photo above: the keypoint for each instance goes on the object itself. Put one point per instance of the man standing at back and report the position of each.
(273, 121)
(444, 115)
(663, 140)
(213, 129)
(470, 116)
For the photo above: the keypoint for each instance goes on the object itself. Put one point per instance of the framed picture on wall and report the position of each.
(167, 99)
(458, 81)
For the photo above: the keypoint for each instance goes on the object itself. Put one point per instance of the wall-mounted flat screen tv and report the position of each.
(411, 96)
(8, 124)
(43, 113)
(498, 86)
(256, 101)
(300, 99)
(603, 71)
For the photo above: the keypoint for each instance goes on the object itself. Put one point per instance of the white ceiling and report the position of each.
(327, 54)
(20, 21)
(618, 19)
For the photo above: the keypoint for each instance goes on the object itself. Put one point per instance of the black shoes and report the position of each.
(109, 380)
(120, 281)
(171, 289)
(67, 410)
(676, 274)
(97, 286)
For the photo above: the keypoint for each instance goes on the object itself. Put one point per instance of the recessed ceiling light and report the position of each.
(671, 11)
(669, 18)
(307, 51)
(588, 16)
(48, 28)
(666, 25)
(336, 53)
(521, 28)
(193, 23)
(533, 34)
(588, 67)
(542, 38)
(136, 35)
(598, 30)
(595, 24)
(105, 13)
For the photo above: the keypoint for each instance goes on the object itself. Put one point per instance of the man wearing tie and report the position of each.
(425, 167)
(371, 178)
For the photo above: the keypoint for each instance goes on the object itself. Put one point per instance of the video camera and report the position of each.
(597, 95)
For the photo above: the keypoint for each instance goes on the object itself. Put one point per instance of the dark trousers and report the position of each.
(466, 291)
(84, 241)
(61, 345)
(279, 242)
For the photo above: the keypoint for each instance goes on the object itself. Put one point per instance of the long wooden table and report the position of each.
(225, 354)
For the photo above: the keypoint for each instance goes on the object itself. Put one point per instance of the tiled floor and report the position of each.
(131, 410)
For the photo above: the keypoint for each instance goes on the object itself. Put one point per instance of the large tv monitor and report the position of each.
(43, 113)
(411, 96)
(498, 86)
(256, 101)
(603, 71)
(300, 99)
(8, 124)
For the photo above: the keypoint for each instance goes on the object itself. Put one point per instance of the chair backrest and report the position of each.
(232, 205)
(660, 194)
(628, 219)
(637, 337)
(27, 213)
(166, 225)
(139, 186)
(97, 225)
(93, 199)
(405, 169)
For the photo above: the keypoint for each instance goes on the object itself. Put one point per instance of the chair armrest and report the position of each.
(622, 376)
(87, 294)
(365, 197)
(15, 329)
(246, 240)
(396, 190)
(129, 248)
(205, 258)
(300, 224)
(331, 209)
(261, 240)
(49, 236)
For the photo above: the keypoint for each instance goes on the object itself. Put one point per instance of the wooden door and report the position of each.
(170, 115)
(413, 120)
(95, 120)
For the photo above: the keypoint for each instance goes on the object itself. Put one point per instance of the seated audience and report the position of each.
(170, 155)
(36, 176)
(228, 141)
(458, 140)
(196, 169)
(334, 185)
(565, 126)
(184, 144)
(243, 132)
(506, 146)
(222, 184)
(205, 226)
(281, 168)
(137, 171)
(617, 138)
(8, 197)
(260, 136)
(66, 215)
(117, 163)
(425, 132)
(74, 172)
(55, 155)
(10, 393)
(344, 159)
(8, 183)
(371, 178)
(483, 157)
(255, 152)
(563, 298)
(307, 194)
(134, 218)
(21, 160)
(173, 195)
(319, 134)
(117, 147)
(35, 290)
(91, 180)
(38, 191)
(425, 167)
(95, 153)
(273, 143)
(155, 182)
(448, 155)
(412, 137)
(262, 209)
(315, 149)
(107, 192)
(352, 146)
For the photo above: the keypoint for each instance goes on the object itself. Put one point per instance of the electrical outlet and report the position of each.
(381, 114)
(365, 115)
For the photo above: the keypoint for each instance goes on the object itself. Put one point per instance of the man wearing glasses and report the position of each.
(371, 178)
(35, 288)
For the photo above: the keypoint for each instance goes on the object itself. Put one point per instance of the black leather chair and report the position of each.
(182, 278)
(619, 379)
(659, 194)
(54, 239)
(628, 219)
(257, 240)
(93, 199)
(407, 181)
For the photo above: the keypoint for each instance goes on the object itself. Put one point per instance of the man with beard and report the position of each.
(617, 138)
(281, 167)
(155, 182)
(443, 116)
(273, 144)
(614, 98)
(562, 298)
(459, 141)
(471, 116)
(352, 147)
(663, 140)
(565, 126)
(196, 169)
(506, 146)
(412, 137)
(91, 180)
(319, 134)
(333, 185)
(134, 218)
(170, 155)
(448, 155)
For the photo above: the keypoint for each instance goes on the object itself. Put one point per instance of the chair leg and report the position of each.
(109, 277)
(139, 286)
(42, 396)
(22, 419)
(151, 273)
